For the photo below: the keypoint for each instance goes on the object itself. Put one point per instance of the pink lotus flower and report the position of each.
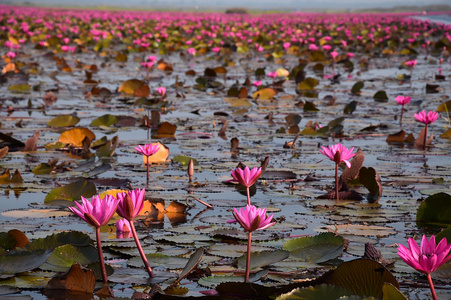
(191, 51)
(426, 259)
(216, 49)
(402, 100)
(257, 83)
(411, 63)
(426, 118)
(338, 153)
(151, 58)
(11, 54)
(334, 54)
(148, 149)
(161, 91)
(97, 212)
(286, 45)
(247, 178)
(252, 218)
(272, 74)
(130, 203)
(327, 47)
(147, 64)
(313, 47)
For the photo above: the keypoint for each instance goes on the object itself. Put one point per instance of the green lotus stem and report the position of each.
(248, 258)
(431, 285)
(102, 261)
(141, 251)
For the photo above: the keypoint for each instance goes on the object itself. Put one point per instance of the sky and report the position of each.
(261, 4)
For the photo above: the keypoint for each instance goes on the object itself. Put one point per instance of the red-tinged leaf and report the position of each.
(78, 279)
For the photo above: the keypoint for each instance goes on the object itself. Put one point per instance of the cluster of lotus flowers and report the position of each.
(129, 204)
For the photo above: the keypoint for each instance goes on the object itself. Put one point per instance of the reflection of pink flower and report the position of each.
(403, 100)
(122, 225)
(252, 218)
(426, 118)
(338, 153)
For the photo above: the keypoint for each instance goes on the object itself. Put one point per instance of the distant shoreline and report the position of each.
(442, 18)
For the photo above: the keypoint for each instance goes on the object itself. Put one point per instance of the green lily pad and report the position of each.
(22, 88)
(308, 84)
(105, 120)
(363, 277)
(213, 281)
(380, 96)
(445, 233)
(391, 293)
(29, 280)
(318, 249)
(71, 192)
(42, 168)
(157, 259)
(53, 241)
(65, 256)
(63, 121)
(436, 209)
(184, 160)
(319, 292)
(263, 258)
(356, 88)
(21, 261)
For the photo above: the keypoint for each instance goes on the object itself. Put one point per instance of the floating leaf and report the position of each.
(194, 260)
(308, 84)
(105, 120)
(77, 279)
(356, 164)
(65, 256)
(398, 137)
(22, 88)
(318, 249)
(184, 160)
(363, 277)
(319, 292)
(310, 106)
(390, 292)
(359, 229)
(4, 151)
(356, 88)
(167, 129)
(264, 94)
(30, 144)
(63, 121)
(380, 96)
(436, 209)
(263, 258)
(293, 119)
(131, 86)
(350, 107)
(55, 240)
(157, 259)
(371, 180)
(213, 281)
(445, 107)
(71, 192)
(76, 136)
(108, 149)
(21, 261)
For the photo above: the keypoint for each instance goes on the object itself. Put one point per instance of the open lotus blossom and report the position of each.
(161, 91)
(97, 213)
(338, 153)
(426, 119)
(252, 218)
(191, 51)
(148, 150)
(411, 63)
(130, 205)
(247, 177)
(427, 258)
(216, 49)
(272, 74)
(257, 83)
(402, 100)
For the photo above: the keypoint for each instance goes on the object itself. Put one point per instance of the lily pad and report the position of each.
(436, 209)
(317, 249)
(157, 259)
(105, 120)
(263, 258)
(71, 192)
